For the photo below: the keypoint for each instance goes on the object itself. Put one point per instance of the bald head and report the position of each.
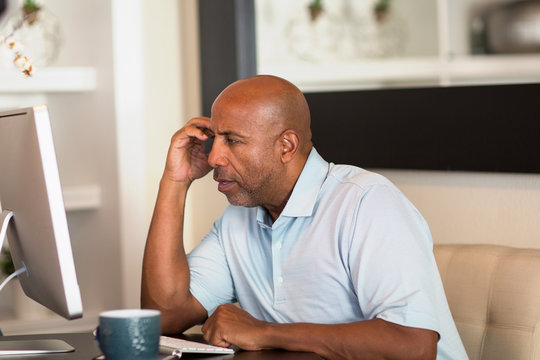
(274, 103)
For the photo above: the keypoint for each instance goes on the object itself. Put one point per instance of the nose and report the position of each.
(217, 156)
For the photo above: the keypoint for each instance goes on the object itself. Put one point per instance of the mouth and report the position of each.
(224, 184)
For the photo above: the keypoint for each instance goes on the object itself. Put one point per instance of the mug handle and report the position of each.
(96, 337)
(96, 333)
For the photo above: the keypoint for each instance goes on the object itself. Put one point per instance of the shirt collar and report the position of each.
(307, 187)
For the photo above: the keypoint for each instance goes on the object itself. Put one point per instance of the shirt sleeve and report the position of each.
(210, 280)
(391, 261)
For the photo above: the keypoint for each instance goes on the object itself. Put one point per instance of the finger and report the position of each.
(207, 326)
(196, 125)
(215, 339)
(198, 153)
(202, 123)
(195, 132)
(221, 343)
(188, 135)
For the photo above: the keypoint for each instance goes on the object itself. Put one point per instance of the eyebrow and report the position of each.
(231, 133)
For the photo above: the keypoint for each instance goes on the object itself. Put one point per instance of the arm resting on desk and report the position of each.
(374, 339)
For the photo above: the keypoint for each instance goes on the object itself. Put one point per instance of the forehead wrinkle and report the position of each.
(231, 124)
(232, 133)
(224, 130)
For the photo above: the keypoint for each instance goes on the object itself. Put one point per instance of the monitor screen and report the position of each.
(37, 232)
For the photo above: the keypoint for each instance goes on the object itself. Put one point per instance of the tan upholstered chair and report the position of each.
(494, 295)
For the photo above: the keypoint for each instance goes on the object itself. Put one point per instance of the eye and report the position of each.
(231, 141)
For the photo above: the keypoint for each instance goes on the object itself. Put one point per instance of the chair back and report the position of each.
(494, 295)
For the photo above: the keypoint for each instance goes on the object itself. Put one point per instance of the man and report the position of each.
(325, 258)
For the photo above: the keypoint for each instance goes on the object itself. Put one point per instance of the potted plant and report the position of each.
(6, 263)
(23, 306)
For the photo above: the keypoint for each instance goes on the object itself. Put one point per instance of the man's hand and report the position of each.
(376, 338)
(186, 160)
(230, 325)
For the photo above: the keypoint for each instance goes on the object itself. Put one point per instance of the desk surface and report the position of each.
(86, 348)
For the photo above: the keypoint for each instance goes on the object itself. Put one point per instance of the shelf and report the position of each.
(354, 75)
(49, 80)
(311, 77)
(82, 197)
(507, 68)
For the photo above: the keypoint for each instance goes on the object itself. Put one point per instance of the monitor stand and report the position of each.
(33, 347)
(27, 347)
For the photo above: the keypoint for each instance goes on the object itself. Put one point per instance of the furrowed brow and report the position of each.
(231, 133)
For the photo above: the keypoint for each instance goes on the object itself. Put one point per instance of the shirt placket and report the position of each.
(277, 266)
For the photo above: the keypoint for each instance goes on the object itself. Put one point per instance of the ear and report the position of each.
(289, 142)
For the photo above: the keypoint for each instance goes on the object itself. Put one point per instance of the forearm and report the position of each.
(373, 339)
(165, 277)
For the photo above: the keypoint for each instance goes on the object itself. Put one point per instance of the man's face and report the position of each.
(246, 164)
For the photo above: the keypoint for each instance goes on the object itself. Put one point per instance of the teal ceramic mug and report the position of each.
(129, 334)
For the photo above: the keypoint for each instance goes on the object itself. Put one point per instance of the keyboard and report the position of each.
(169, 345)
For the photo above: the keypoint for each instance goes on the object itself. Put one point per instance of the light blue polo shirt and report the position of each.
(347, 247)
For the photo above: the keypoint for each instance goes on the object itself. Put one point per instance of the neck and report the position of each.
(276, 210)
(289, 182)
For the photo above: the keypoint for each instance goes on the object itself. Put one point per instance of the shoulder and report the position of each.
(355, 178)
(361, 190)
(234, 219)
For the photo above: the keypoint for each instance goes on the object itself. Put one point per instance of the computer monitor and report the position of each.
(33, 211)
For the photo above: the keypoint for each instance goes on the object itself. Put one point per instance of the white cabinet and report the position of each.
(435, 37)
(49, 80)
